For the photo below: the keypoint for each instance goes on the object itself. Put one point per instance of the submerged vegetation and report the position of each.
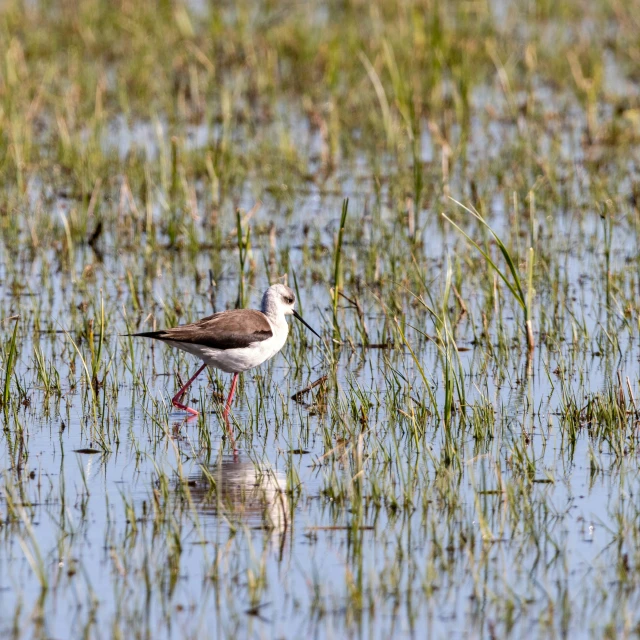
(453, 191)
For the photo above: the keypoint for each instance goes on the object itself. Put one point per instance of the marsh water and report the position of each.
(418, 472)
(153, 520)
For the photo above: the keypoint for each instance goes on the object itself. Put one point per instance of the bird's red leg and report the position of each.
(175, 401)
(230, 398)
(226, 415)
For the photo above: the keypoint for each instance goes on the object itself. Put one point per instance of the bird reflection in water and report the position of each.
(243, 492)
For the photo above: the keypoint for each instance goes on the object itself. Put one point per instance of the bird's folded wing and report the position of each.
(235, 329)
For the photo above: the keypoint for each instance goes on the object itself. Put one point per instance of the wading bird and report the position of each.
(234, 341)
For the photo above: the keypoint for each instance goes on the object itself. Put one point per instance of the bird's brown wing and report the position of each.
(233, 329)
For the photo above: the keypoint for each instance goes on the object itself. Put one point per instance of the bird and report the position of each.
(235, 340)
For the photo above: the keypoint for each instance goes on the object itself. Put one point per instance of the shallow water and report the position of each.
(358, 510)
(176, 536)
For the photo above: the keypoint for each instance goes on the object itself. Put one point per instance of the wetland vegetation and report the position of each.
(452, 189)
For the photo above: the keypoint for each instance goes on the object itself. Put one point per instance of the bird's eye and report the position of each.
(289, 300)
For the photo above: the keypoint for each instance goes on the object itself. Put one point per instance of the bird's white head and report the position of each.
(279, 301)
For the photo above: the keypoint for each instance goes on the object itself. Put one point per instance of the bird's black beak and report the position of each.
(299, 317)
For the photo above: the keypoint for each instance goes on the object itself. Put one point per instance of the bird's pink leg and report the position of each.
(230, 398)
(175, 401)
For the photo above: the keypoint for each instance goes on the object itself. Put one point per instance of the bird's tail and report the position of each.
(157, 335)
